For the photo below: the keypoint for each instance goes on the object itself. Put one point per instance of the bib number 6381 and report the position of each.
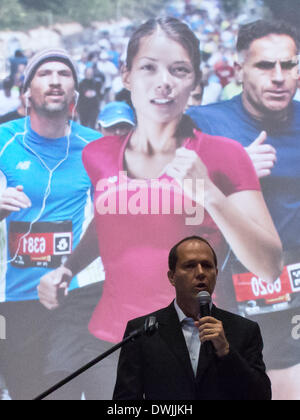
(34, 245)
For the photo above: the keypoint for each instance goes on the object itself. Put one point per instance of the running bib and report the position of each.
(45, 244)
(256, 296)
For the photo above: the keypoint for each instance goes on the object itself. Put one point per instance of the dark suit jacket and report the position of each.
(159, 367)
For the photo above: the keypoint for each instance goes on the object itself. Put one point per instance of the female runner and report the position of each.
(167, 180)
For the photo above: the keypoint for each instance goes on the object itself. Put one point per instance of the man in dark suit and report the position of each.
(170, 366)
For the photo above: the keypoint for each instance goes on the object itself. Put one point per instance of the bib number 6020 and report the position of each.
(261, 288)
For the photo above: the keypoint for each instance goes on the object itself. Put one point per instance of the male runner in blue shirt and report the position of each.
(266, 121)
(44, 200)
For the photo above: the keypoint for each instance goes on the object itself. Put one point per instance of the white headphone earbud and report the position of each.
(76, 96)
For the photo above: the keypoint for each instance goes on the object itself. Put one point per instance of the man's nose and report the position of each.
(199, 269)
(54, 80)
(277, 75)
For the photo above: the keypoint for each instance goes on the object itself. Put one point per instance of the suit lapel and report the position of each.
(205, 359)
(171, 332)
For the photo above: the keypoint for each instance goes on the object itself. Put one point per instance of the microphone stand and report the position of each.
(149, 328)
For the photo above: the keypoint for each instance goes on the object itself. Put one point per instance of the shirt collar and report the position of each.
(181, 314)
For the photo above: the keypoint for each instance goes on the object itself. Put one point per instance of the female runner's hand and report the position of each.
(190, 172)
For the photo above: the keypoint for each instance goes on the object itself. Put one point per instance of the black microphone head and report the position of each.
(150, 326)
(204, 298)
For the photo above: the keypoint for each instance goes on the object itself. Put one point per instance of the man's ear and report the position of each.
(27, 95)
(125, 77)
(238, 68)
(171, 277)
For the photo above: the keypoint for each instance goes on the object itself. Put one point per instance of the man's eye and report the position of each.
(190, 266)
(289, 65)
(197, 96)
(65, 74)
(265, 66)
(207, 266)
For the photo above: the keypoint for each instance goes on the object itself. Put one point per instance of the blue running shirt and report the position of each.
(281, 189)
(54, 179)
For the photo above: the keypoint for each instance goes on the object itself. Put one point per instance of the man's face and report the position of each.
(121, 129)
(195, 272)
(52, 88)
(196, 96)
(269, 74)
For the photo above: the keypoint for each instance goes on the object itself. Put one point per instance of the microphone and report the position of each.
(149, 328)
(204, 300)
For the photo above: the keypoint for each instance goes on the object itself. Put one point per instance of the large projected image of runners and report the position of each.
(123, 130)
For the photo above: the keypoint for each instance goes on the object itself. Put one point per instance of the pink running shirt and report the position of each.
(139, 221)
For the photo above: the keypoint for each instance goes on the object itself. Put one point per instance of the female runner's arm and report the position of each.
(242, 217)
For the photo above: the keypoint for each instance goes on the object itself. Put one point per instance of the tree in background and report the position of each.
(287, 10)
(11, 14)
(232, 6)
(25, 14)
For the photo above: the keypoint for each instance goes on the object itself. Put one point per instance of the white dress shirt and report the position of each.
(191, 335)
